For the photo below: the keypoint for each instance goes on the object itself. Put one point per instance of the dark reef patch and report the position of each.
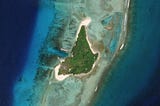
(42, 74)
(50, 50)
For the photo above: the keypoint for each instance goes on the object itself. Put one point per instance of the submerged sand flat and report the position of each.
(106, 33)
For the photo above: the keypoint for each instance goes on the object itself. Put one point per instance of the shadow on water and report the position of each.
(17, 19)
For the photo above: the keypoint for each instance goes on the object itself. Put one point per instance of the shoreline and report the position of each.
(121, 46)
(85, 23)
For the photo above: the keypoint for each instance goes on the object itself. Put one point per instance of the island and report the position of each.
(81, 59)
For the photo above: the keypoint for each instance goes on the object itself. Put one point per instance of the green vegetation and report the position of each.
(82, 59)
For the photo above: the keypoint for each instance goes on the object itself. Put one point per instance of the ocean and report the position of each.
(134, 77)
(17, 22)
(25, 79)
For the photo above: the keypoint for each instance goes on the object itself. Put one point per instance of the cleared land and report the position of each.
(82, 57)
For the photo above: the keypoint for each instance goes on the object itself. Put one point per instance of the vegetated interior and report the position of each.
(82, 57)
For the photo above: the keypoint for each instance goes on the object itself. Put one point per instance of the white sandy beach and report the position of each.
(59, 77)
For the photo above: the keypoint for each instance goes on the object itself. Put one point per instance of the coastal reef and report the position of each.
(64, 46)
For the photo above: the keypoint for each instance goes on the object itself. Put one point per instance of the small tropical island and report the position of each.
(81, 59)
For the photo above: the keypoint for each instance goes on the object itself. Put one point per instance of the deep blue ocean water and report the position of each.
(17, 19)
(135, 78)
